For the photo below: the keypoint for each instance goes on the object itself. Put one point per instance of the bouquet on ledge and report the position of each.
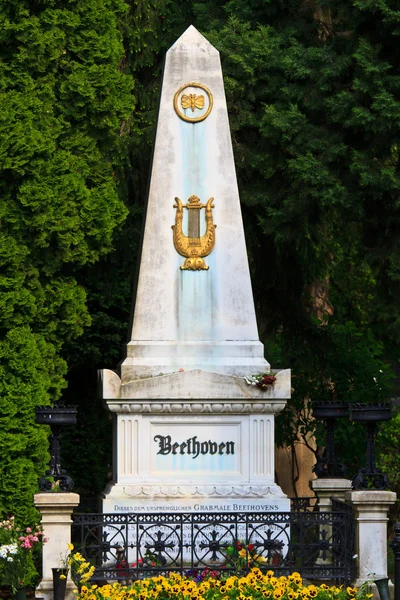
(18, 549)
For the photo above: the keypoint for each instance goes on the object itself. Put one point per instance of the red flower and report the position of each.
(250, 547)
(266, 381)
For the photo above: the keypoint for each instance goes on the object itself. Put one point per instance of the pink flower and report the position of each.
(181, 370)
(35, 538)
(28, 530)
(45, 539)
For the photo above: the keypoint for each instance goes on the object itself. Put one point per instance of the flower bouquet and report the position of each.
(18, 550)
(264, 381)
(81, 569)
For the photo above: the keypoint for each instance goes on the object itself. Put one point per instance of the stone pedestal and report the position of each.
(326, 489)
(56, 510)
(371, 511)
(199, 442)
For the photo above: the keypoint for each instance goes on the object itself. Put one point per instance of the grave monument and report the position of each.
(190, 433)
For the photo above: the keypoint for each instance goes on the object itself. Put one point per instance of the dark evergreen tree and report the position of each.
(64, 97)
(312, 94)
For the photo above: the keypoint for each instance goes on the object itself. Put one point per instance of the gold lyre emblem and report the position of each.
(193, 247)
(192, 101)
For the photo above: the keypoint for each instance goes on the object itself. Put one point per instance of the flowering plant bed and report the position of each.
(18, 549)
(255, 585)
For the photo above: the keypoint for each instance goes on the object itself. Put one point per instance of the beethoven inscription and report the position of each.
(192, 446)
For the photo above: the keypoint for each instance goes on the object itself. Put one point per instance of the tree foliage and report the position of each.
(64, 97)
(312, 91)
(313, 94)
(312, 97)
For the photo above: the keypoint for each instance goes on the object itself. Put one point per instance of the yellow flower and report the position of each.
(261, 559)
(70, 546)
(62, 576)
(312, 591)
(352, 591)
(278, 593)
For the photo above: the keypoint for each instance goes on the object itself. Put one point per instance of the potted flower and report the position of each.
(18, 550)
(81, 572)
(60, 575)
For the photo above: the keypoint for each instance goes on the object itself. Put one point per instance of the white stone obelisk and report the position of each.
(188, 425)
(193, 319)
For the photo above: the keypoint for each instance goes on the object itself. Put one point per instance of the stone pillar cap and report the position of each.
(56, 499)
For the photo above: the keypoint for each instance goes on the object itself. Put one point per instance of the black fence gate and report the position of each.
(319, 545)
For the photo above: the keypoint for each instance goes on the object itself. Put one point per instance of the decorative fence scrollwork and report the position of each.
(320, 545)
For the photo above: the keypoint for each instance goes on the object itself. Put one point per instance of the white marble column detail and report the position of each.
(128, 447)
(262, 442)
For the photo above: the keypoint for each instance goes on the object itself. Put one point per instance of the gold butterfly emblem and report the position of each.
(192, 101)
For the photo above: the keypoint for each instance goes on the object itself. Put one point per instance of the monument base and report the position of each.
(166, 498)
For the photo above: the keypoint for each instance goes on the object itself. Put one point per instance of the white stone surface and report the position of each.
(371, 509)
(193, 319)
(195, 385)
(125, 500)
(163, 458)
(56, 510)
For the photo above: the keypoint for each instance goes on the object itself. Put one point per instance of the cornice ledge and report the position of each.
(199, 408)
(201, 491)
(191, 386)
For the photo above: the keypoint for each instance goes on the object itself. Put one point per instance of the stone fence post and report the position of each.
(326, 489)
(371, 509)
(56, 510)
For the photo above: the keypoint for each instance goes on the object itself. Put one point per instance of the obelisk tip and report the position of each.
(192, 40)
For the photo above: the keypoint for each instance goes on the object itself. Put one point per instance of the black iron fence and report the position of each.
(130, 546)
